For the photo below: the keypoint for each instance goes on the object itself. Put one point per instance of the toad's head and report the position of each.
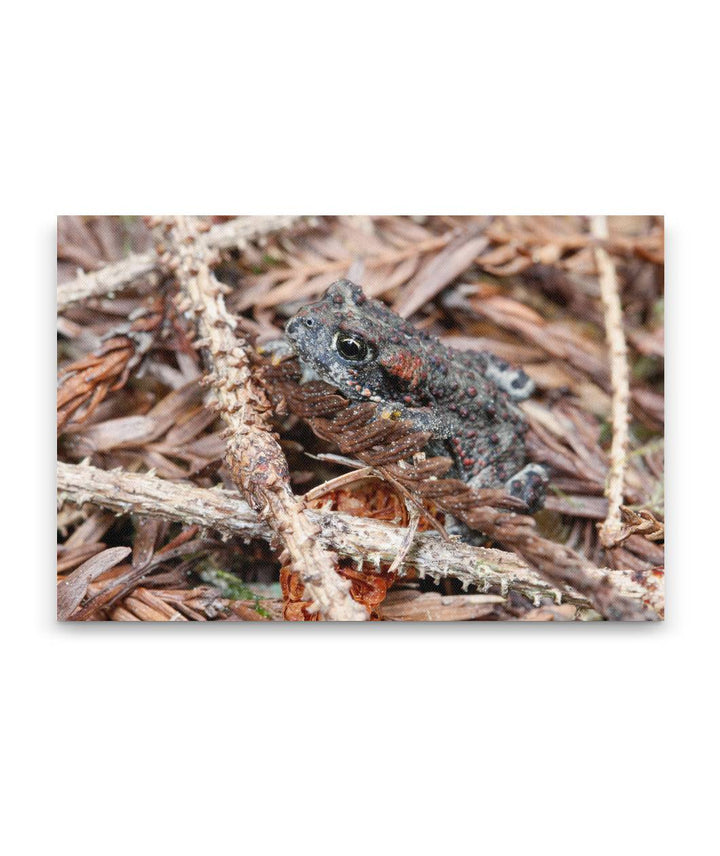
(358, 345)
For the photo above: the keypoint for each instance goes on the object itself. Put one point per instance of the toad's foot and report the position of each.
(529, 485)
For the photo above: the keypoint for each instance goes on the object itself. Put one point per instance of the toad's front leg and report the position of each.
(425, 419)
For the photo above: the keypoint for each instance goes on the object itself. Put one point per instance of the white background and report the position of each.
(337, 739)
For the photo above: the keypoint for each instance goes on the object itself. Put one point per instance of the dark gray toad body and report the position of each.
(464, 398)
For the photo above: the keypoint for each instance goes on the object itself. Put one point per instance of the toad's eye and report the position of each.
(351, 348)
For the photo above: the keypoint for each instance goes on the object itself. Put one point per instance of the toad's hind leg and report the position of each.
(512, 381)
(529, 485)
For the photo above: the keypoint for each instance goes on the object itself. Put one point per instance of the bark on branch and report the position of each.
(253, 454)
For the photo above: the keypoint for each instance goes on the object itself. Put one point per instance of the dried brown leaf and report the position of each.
(72, 589)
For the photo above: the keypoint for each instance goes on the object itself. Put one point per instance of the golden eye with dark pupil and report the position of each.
(351, 348)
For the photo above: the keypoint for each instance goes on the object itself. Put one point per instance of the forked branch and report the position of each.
(253, 454)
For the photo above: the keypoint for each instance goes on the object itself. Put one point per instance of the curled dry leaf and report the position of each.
(640, 522)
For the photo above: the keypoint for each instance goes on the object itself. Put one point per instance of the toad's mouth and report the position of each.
(296, 337)
(292, 328)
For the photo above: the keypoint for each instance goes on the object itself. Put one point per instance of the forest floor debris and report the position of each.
(158, 381)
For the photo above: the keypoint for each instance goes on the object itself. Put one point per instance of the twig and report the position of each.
(254, 456)
(407, 540)
(113, 277)
(130, 493)
(611, 528)
(339, 481)
(105, 281)
(362, 539)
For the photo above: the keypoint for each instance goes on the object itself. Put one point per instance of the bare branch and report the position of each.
(611, 529)
(130, 493)
(106, 280)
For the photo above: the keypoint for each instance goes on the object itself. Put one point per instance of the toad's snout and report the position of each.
(300, 325)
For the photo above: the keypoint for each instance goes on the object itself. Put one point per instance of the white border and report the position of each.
(336, 739)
